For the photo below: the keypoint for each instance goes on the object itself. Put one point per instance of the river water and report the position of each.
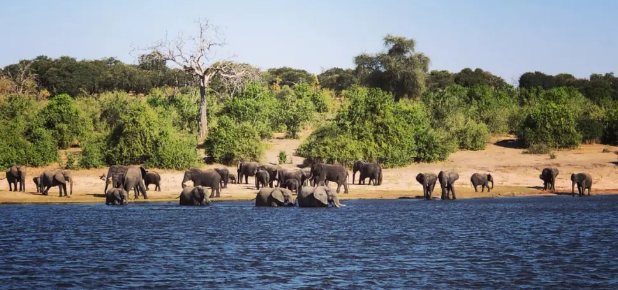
(540, 242)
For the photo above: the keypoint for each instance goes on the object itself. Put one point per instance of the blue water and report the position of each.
(542, 242)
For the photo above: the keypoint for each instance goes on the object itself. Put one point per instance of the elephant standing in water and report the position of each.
(274, 197)
(321, 196)
(548, 175)
(246, 169)
(335, 173)
(194, 196)
(483, 180)
(208, 178)
(58, 178)
(447, 183)
(428, 180)
(261, 178)
(583, 181)
(16, 175)
(116, 196)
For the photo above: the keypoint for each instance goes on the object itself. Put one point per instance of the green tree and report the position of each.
(61, 117)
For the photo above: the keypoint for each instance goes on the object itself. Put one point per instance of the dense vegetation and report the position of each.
(388, 108)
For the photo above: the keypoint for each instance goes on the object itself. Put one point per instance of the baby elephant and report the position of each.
(583, 181)
(116, 196)
(232, 178)
(292, 184)
(548, 175)
(152, 178)
(36, 183)
(274, 197)
(483, 180)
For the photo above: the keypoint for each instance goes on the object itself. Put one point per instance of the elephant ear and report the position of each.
(117, 194)
(321, 195)
(278, 195)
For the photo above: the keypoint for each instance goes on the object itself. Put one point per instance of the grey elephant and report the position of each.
(194, 196)
(232, 177)
(583, 181)
(272, 172)
(356, 167)
(115, 175)
(428, 181)
(262, 178)
(447, 183)
(274, 197)
(335, 173)
(152, 177)
(306, 176)
(133, 179)
(60, 178)
(208, 178)
(320, 196)
(35, 180)
(16, 175)
(548, 175)
(370, 170)
(483, 180)
(293, 185)
(246, 169)
(116, 196)
(225, 176)
(284, 175)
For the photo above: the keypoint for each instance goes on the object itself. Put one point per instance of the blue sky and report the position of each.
(507, 38)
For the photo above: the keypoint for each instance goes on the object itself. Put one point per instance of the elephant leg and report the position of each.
(10, 186)
(219, 192)
(453, 191)
(61, 187)
(142, 188)
(483, 188)
(475, 189)
(212, 193)
(158, 187)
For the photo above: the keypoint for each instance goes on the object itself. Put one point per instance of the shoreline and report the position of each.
(7, 197)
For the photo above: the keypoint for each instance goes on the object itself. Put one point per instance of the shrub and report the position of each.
(372, 126)
(173, 151)
(550, 124)
(283, 158)
(61, 117)
(93, 155)
(538, 149)
(72, 160)
(230, 142)
(474, 136)
(552, 155)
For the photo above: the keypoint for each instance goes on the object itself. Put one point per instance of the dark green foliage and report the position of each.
(550, 124)
(257, 106)
(231, 141)
(174, 151)
(372, 126)
(61, 117)
(93, 154)
(540, 148)
(282, 157)
(289, 76)
(337, 79)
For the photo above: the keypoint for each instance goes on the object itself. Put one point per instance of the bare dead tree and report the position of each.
(22, 78)
(198, 56)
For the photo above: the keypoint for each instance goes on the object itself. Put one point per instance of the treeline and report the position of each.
(388, 108)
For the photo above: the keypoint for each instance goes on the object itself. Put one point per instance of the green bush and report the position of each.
(61, 117)
(550, 124)
(93, 154)
(230, 142)
(372, 126)
(474, 136)
(538, 149)
(173, 151)
(283, 158)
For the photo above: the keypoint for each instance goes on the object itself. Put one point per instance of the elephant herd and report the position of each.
(276, 185)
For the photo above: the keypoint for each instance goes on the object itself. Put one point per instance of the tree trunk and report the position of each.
(203, 121)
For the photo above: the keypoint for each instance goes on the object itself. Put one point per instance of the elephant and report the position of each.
(133, 179)
(194, 196)
(15, 175)
(334, 173)
(428, 180)
(246, 169)
(225, 176)
(116, 196)
(286, 174)
(320, 196)
(357, 167)
(447, 183)
(583, 181)
(306, 174)
(373, 171)
(548, 175)
(483, 180)
(36, 183)
(274, 197)
(293, 185)
(232, 177)
(208, 178)
(152, 177)
(272, 172)
(58, 178)
(261, 178)
(116, 174)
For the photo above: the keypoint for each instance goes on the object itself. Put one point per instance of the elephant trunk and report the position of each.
(184, 180)
(337, 203)
(71, 186)
(573, 187)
